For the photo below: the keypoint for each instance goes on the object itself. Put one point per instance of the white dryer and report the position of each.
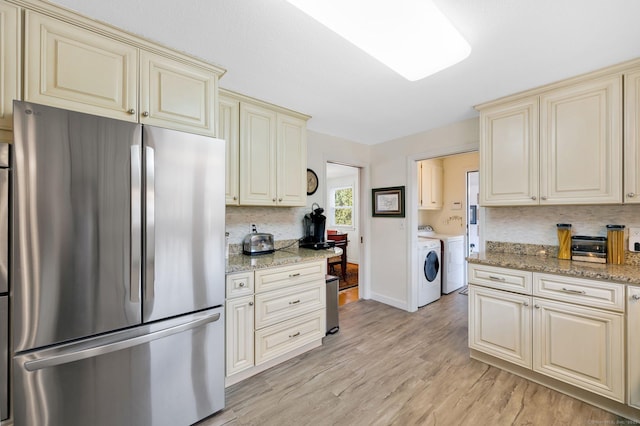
(429, 271)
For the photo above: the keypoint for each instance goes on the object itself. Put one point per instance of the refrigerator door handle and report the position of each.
(150, 244)
(136, 223)
(72, 353)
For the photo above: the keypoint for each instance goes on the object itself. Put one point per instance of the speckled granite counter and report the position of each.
(627, 274)
(241, 262)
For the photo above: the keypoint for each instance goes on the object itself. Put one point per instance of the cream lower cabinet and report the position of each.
(273, 314)
(80, 69)
(9, 64)
(557, 329)
(536, 150)
(633, 346)
(500, 324)
(580, 345)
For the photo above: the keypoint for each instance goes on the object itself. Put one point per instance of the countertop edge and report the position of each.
(242, 263)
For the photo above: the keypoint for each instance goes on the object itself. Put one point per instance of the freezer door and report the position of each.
(184, 223)
(167, 373)
(4, 357)
(73, 255)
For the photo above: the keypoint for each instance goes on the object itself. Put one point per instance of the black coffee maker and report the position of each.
(314, 227)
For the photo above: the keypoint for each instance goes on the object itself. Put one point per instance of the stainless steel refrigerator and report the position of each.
(117, 271)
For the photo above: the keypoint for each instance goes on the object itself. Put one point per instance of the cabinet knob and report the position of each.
(274, 200)
(250, 303)
(631, 195)
(235, 198)
(526, 303)
(544, 197)
(636, 297)
(534, 198)
(131, 111)
(279, 200)
(145, 114)
(241, 285)
(536, 306)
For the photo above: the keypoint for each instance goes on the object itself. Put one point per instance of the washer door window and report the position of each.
(431, 266)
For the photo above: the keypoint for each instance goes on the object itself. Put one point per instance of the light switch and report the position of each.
(634, 239)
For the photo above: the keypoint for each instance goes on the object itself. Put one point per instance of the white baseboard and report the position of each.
(396, 303)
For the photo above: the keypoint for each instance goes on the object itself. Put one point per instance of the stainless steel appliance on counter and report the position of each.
(4, 281)
(118, 271)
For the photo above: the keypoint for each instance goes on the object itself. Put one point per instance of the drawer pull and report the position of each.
(294, 302)
(294, 275)
(569, 290)
(636, 297)
(241, 285)
(291, 336)
(494, 278)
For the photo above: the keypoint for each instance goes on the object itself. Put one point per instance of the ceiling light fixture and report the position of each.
(412, 37)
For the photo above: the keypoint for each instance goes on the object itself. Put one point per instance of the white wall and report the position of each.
(393, 164)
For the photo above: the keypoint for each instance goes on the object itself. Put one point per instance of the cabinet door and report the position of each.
(431, 179)
(500, 324)
(291, 161)
(228, 130)
(177, 96)
(633, 345)
(632, 137)
(76, 69)
(9, 62)
(509, 154)
(257, 155)
(581, 143)
(580, 346)
(240, 338)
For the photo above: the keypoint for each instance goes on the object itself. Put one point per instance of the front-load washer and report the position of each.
(429, 272)
(452, 260)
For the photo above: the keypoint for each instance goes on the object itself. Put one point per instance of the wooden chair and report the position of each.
(342, 242)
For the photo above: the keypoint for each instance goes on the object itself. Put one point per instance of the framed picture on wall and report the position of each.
(388, 202)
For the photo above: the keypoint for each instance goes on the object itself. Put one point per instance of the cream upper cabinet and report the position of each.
(258, 129)
(581, 346)
(509, 154)
(560, 146)
(581, 143)
(430, 181)
(74, 67)
(77, 69)
(10, 64)
(176, 95)
(291, 179)
(632, 137)
(273, 157)
(228, 129)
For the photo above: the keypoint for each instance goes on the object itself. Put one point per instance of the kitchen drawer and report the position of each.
(286, 276)
(286, 336)
(279, 305)
(598, 294)
(500, 278)
(240, 284)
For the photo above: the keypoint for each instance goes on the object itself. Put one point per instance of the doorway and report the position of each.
(343, 213)
(473, 223)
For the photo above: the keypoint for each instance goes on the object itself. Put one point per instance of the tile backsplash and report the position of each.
(285, 223)
(537, 225)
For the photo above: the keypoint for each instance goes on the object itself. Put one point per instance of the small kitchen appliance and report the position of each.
(589, 249)
(257, 243)
(314, 226)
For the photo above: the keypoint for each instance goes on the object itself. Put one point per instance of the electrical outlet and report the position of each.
(634, 239)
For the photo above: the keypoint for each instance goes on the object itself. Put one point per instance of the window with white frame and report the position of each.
(342, 206)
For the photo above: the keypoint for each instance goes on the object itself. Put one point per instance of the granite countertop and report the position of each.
(626, 274)
(242, 263)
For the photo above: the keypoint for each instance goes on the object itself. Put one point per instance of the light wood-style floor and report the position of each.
(389, 367)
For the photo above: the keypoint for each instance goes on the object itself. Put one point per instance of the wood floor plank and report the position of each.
(389, 367)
